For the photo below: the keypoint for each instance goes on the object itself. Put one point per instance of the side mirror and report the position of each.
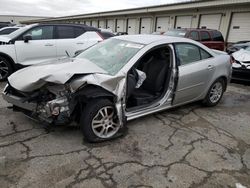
(26, 38)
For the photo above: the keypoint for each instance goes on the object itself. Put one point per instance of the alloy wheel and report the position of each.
(216, 92)
(104, 124)
(4, 69)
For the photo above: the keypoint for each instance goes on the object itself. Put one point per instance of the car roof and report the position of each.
(149, 38)
(86, 27)
(195, 29)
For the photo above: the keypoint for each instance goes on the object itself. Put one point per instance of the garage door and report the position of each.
(94, 23)
(102, 24)
(110, 25)
(87, 23)
(146, 26)
(183, 22)
(132, 26)
(120, 25)
(210, 21)
(240, 27)
(162, 24)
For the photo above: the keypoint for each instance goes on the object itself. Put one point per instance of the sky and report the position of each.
(54, 8)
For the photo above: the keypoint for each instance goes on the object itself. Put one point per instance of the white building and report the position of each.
(14, 19)
(231, 17)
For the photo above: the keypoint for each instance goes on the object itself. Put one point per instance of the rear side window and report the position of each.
(194, 35)
(217, 36)
(69, 32)
(188, 53)
(204, 54)
(78, 31)
(107, 35)
(204, 36)
(65, 32)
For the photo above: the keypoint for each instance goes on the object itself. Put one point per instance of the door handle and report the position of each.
(80, 43)
(210, 67)
(49, 44)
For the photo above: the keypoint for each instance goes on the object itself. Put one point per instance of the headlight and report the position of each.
(60, 90)
(58, 105)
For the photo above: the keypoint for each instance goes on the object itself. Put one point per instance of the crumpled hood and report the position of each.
(57, 71)
(242, 55)
(4, 39)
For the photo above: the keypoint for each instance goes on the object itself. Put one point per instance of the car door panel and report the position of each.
(34, 52)
(80, 43)
(193, 79)
(38, 49)
(71, 39)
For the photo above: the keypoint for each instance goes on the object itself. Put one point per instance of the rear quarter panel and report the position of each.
(223, 69)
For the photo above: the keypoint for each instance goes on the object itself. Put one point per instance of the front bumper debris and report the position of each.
(55, 111)
(17, 101)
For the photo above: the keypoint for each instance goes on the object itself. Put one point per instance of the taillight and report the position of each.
(232, 60)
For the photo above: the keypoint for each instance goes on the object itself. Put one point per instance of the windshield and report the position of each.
(7, 31)
(176, 33)
(19, 31)
(112, 54)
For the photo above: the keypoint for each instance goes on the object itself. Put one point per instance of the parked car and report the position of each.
(39, 42)
(237, 46)
(241, 67)
(5, 24)
(209, 37)
(8, 30)
(120, 79)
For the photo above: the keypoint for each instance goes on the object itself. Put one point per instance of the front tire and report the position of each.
(215, 93)
(5, 69)
(99, 121)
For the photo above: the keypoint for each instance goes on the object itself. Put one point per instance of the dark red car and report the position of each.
(209, 37)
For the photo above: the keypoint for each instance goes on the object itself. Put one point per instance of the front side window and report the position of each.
(189, 53)
(41, 33)
(112, 54)
(205, 36)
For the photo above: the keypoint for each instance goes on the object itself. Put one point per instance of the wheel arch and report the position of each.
(7, 57)
(225, 79)
(92, 92)
(87, 94)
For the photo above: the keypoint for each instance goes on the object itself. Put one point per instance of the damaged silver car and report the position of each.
(120, 79)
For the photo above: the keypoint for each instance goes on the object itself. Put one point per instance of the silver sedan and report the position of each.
(120, 79)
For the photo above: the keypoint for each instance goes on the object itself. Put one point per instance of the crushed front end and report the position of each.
(49, 104)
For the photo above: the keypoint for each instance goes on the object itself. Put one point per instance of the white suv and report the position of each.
(40, 42)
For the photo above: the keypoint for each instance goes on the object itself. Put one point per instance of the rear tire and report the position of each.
(215, 93)
(99, 121)
(5, 69)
